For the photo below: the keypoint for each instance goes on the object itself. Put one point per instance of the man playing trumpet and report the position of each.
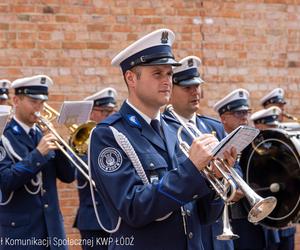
(153, 201)
(29, 166)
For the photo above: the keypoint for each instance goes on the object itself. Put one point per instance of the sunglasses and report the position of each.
(105, 111)
(240, 113)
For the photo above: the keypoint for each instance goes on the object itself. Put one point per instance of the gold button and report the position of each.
(195, 196)
(13, 224)
(38, 164)
(46, 206)
(191, 235)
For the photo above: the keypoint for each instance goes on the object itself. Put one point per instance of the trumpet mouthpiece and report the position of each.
(37, 114)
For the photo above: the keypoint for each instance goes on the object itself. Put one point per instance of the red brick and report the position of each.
(73, 45)
(23, 9)
(4, 26)
(22, 45)
(144, 12)
(97, 45)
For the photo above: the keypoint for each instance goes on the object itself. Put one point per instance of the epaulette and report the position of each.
(111, 119)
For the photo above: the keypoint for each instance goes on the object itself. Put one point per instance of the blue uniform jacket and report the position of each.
(85, 217)
(210, 231)
(31, 216)
(174, 183)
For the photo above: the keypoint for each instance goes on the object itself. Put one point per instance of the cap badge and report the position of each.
(43, 80)
(164, 37)
(109, 93)
(241, 94)
(190, 62)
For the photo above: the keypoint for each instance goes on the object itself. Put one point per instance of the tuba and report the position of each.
(271, 166)
(79, 137)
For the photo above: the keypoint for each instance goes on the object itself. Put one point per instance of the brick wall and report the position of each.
(253, 44)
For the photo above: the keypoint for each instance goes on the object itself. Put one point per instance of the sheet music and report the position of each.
(4, 117)
(240, 138)
(5, 109)
(74, 112)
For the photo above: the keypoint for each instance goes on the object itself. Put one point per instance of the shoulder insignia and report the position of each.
(110, 159)
(16, 129)
(133, 121)
(2, 153)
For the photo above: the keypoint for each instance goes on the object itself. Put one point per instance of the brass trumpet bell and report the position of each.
(79, 139)
(79, 134)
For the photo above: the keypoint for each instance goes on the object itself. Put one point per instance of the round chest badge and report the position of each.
(2, 153)
(110, 159)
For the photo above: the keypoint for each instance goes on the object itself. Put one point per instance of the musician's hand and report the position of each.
(200, 151)
(238, 195)
(230, 157)
(46, 144)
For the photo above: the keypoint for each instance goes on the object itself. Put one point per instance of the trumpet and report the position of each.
(260, 207)
(61, 143)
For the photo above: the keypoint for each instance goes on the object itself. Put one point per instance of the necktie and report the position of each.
(33, 135)
(193, 127)
(155, 124)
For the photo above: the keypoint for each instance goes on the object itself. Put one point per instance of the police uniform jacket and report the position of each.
(26, 215)
(173, 183)
(85, 217)
(209, 231)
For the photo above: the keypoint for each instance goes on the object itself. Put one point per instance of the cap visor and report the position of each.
(241, 108)
(163, 61)
(272, 123)
(4, 97)
(39, 97)
(109, 105)
(190, 82)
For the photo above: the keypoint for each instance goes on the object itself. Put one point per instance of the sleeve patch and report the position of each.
(110, 160)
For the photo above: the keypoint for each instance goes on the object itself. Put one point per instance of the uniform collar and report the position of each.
(193, 119)
(144, 116)
(24, 126)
